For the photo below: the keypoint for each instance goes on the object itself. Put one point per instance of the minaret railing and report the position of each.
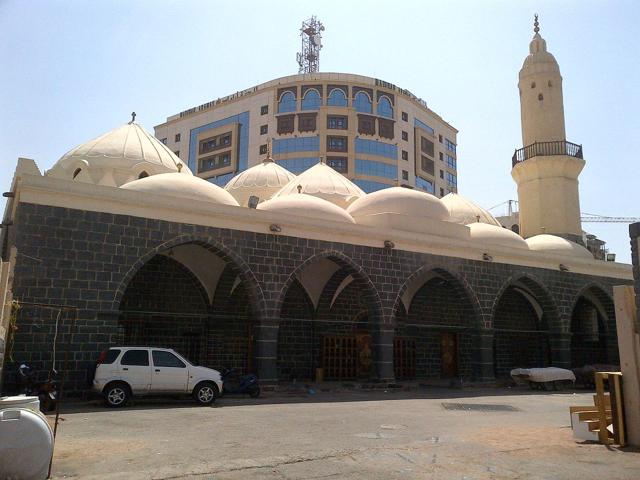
(560, 147)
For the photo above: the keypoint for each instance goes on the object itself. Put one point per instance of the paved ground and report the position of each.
(349, 435)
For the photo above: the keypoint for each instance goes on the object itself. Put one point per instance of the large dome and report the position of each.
(481, 233)
(263, 180)
(558, 246)
(324, 182)
(303, 205)
(187, 187)
(464, 211)
(118, 157)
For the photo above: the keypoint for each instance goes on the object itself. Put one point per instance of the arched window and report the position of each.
(362, 102)
(384, 107)
(143, 174)
(287, 103)
(77, 172)
(311, 100)
(337, 98)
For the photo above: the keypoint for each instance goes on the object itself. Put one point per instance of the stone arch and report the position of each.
(437, 321)
(593, 327)
(336, 337)
(255, 291)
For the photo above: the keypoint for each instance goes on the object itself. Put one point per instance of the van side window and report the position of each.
(166, 359)
(135, 357)
(111, 356)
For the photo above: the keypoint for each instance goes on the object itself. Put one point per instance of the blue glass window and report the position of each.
(425, 185)
(451, 162)
(287, 103)
(424, 126)
(311, 100)
(452, 180)
(369, 186)
(221, 180)
(298, 165)
(372, 147)
(300, 144)
(376, 169)
(337, 98)
(362, 102)
(384, 107)
(450, 145)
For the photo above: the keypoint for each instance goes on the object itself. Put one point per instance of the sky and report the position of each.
(71, 70)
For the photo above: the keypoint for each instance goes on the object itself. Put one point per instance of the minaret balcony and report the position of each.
(540, 149)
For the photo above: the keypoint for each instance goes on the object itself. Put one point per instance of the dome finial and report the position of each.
(133, 117)
(269, 158)
(536, 25)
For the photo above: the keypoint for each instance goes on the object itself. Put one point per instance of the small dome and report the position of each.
(464, 211)
(118, 157)
(494, 235)
(539, 58)
(558, 245)
(401, 201)
(324, 182)
(181, 186)
(263, 180)
(303, 205)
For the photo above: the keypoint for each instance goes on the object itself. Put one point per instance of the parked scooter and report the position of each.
(47, 392)
(232, 383)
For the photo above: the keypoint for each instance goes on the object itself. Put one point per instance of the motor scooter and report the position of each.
(232, 383)
(47, 392)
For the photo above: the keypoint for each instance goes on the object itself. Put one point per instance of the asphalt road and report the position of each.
(349, 435)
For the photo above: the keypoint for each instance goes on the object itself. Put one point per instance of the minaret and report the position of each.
(546, 169)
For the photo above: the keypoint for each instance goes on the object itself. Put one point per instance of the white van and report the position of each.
(122, 372)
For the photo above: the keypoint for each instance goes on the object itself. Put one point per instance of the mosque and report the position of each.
(297, 277)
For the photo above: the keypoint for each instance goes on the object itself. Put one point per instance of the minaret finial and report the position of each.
(133, 117)
(269, 158)
(536, 25)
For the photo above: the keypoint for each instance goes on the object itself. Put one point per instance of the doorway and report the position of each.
(449, 354)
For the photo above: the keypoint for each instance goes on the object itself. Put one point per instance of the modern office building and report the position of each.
(376, 134)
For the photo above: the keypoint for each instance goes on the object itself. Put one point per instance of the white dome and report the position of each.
(324, 182)
(464, 211)
(304, 205)
(117, 157)
(401, 201)
(494, 235)
(558, 245)
(182, 186)
(262, 180)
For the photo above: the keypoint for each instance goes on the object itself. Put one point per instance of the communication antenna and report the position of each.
(311, 35)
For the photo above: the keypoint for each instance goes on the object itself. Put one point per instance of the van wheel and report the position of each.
(205, 393)
(116, 394)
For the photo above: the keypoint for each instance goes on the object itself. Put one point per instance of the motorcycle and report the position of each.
(234, 384)
(47, 392)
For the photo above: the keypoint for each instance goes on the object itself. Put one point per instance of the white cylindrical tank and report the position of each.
(26, 443)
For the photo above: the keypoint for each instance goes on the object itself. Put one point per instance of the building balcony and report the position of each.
(542, 149)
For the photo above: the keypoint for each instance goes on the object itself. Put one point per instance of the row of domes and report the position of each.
(131, 158)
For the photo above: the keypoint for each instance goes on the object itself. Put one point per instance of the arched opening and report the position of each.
(143, 174)
(362, 103)
(593, 334)
(193, 299)
(337, 98)
(327, 315)
(311, 100)
(384, 108)
(436, 329)
(77, 172)
(287, 102)
(520, 329)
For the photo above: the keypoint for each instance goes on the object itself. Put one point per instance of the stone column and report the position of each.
(266, 351)
(634, 234)
(483, 370)
(560, 345)
(382, 340)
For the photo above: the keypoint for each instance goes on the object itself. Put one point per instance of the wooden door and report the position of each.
(449, 359)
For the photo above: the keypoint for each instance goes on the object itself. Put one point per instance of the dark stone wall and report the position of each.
(588, 335)
(87, 259)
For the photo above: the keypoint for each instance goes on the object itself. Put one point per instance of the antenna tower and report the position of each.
(309, 56)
